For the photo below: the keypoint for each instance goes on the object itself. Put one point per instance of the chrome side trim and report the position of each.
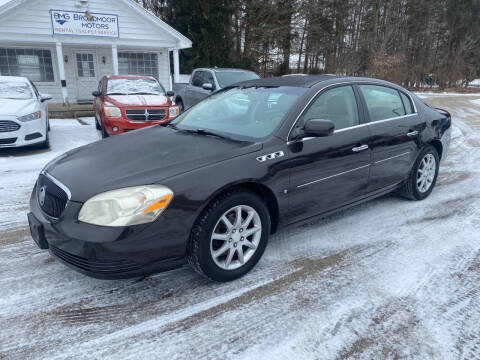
(59, 184)
(352, 127)
(392, 157)
(332, 176)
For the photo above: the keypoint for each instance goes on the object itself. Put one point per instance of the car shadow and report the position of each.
(22, 151)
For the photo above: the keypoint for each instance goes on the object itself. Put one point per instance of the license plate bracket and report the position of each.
(37, 232)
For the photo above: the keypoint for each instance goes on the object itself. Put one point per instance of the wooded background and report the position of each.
(411, 42)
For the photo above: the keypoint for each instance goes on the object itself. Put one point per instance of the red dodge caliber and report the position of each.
(126, 102)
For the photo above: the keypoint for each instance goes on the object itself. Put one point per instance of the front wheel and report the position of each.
(230, 236)
(97, 124)
(104, 131)
(423, 176)
(179, 102)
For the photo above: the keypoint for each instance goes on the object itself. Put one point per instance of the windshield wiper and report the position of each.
(143, 93)
(170, 125)
(208, 133)
(116, 93)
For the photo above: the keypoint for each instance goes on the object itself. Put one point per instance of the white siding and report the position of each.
(29, 25)
(32, 19)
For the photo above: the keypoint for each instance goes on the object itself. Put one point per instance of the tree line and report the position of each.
(411, 42)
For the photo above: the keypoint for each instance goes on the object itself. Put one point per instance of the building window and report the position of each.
(136, 63)
(35, 64)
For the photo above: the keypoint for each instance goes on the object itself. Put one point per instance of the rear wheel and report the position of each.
(423, 176)
(230, 236)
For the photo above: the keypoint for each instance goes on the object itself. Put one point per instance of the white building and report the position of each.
(66, 46)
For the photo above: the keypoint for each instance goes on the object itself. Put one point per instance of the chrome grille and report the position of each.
(51, 197)
(8, 126)
(146, 114)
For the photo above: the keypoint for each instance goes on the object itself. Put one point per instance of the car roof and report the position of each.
(224, 69)
(311, 80)
(14, 78)
(119, 77)
(293, 80)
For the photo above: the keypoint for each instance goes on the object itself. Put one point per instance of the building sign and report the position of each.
(84, 23)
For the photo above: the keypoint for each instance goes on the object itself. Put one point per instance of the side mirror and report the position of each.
(208, 86)
(170, 93)
(96, 94)
(45, 97)
(318, 128)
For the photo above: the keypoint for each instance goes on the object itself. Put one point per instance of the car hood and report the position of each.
(18, 107)
(142, 157)
(138, 100)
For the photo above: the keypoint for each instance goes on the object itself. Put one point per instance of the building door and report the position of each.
(86, 74)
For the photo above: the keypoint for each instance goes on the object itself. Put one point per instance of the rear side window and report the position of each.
(198, 78)
(382, 102)
(337, 105)
(407, 103)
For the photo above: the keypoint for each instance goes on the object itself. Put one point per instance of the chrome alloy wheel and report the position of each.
(426, 173)
(235, 237)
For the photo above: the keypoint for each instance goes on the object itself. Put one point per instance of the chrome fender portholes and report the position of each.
(271, 156)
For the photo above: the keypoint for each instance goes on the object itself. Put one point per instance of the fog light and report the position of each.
(115, 129)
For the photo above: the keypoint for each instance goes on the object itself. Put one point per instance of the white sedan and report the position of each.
(23, 113)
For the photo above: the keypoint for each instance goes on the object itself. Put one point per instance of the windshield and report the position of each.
(241, 113)
(134, 86)
(15, 90)
(227, 78)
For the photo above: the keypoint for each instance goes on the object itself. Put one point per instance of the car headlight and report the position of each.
(112, 111)
(128, 206)
(30, 117)
(174, 111)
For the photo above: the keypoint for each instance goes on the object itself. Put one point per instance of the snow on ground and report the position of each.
(387, 279)
(426, 94)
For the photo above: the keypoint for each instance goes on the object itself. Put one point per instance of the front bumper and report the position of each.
(124, 125)
(29, 133)
(110, 253)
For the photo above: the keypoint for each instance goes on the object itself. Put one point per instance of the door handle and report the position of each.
(412, 133)
(360, 148)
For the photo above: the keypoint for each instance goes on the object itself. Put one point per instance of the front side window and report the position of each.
(34, 64)
(208, 78)
(134, 87)
(227, 78)
(15, 90)
(241, 113)
(138, 63)
(337, 105)
(382, 102)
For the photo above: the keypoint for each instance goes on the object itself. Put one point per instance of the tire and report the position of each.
(414, 188)
(104, 131)
(179, 102)
(97, 124)
(46, 144)
(202, 245)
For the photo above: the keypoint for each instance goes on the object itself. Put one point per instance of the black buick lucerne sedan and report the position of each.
(210, 187)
